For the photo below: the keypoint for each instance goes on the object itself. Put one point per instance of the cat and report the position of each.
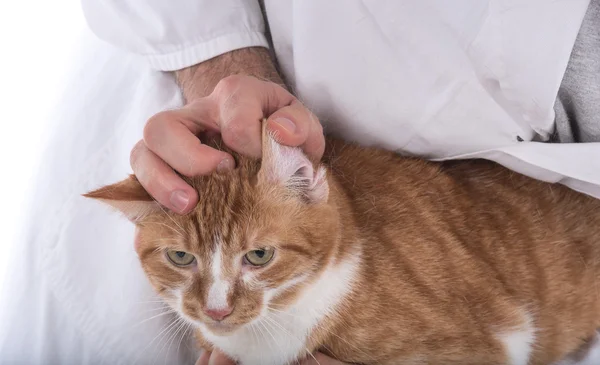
(374, 258)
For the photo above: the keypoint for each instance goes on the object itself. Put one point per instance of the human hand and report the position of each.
(218, 358)
(234, 109)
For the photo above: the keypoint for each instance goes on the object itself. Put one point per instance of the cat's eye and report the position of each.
(259, 257)
(180, 258)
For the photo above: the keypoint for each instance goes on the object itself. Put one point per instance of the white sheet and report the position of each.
(75, 293)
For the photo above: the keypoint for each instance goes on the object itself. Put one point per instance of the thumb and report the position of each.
(218, 358)
(294, 125)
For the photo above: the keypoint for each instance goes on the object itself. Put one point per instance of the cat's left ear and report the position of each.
(127, 196)
(290, 167)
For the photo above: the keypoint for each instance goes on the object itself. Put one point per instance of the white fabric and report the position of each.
(433, 78)
(75, 292)
(177, 33)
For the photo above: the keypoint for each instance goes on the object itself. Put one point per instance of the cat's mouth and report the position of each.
(221, 328)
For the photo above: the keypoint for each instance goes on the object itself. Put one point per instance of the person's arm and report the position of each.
(229, 94)
(199, 80)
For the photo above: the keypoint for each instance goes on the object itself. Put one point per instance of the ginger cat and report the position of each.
(374, 258)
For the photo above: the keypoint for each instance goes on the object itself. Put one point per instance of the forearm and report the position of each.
(199, 80)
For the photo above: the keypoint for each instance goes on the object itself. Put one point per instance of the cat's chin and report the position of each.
(221, 329)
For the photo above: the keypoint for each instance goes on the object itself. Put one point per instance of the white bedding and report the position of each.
(90, 312)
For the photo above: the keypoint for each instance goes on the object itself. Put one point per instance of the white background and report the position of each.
(37, 39)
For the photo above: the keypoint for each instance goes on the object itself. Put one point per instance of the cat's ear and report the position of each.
(128, 197)
(290, 167)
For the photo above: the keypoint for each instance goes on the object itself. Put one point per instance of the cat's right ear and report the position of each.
(289, 166)
(128, 197)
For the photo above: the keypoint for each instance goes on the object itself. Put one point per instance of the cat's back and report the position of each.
(399, 184)
(469, 244)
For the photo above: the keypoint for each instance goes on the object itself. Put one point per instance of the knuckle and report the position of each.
(235, 132)
(154, 125)
(231, 102)
(229, 84)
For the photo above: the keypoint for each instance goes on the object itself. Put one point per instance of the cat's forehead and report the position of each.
(226, 203)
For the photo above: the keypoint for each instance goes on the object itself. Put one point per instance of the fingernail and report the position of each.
(225, 165)
(286, 124)
(180, 200)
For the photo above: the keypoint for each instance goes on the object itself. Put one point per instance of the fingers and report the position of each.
(161, 181)
(204, 358)
(214, 358)
(244, 102)
(295, 125)
(173, 139)
(235, 109)
(218, 358)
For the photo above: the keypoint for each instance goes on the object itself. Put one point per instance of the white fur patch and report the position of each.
(217, 294)
(519, 342)
(279, 336)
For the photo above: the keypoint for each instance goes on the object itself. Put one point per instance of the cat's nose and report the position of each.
(218, 314)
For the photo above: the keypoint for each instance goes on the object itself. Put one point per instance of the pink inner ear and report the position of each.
(289, 166)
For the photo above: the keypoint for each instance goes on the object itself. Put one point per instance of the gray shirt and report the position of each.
(577, 105)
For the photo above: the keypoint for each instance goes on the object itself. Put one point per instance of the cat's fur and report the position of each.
(379, 259)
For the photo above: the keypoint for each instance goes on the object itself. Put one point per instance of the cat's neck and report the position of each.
(348, 237)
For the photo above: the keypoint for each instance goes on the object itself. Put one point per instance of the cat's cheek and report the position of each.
(248, 278)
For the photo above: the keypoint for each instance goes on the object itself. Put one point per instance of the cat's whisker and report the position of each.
(172, 339)
(153, 317)
(264, 326)
(153, 305)
(154, 339)
(183, 335)
(164, 339)
(166, 226)
(154, 300)
(169, 216)
(153, 309)
(255, 336)
(263, 337)
(278, 310)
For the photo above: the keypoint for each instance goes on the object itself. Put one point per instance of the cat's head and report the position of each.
(258, 235)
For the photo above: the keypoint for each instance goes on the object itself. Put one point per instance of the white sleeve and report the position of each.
(175, 34)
